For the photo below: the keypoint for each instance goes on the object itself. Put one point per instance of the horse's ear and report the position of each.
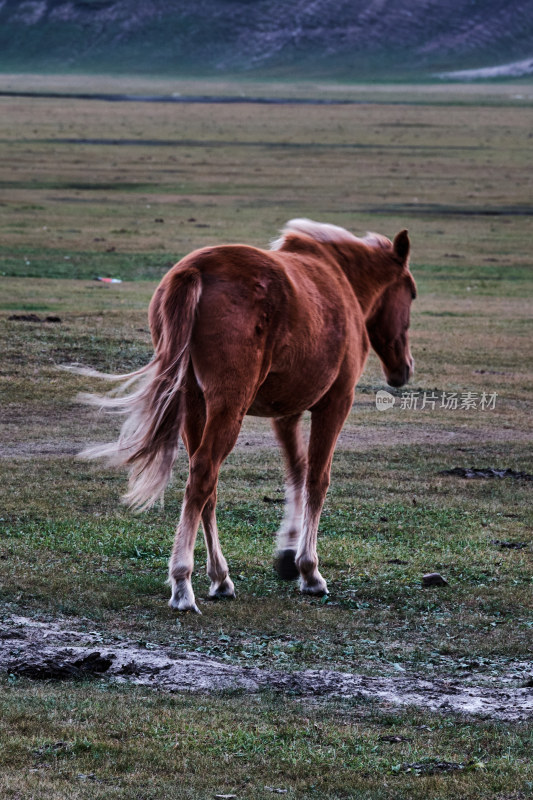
(401, 246)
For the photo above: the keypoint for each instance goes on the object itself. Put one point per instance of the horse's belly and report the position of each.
(280, 395)
(275, 408)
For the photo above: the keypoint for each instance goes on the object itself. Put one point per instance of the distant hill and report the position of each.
(337, 39)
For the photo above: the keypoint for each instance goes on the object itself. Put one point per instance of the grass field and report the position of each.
(92, 189)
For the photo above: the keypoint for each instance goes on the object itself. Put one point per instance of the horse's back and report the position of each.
(295, 289)
(279, 322)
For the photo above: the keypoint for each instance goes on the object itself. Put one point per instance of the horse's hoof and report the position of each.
(314, 591)
(285, 565)
(182, 598)
(183, 606)
(316, 588)
(222, 591)
(221, 596)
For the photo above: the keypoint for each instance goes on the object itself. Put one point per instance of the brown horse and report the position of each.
(238, 330)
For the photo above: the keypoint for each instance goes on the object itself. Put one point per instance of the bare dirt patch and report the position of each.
(53, 651)
(486, 472)
(356, 438)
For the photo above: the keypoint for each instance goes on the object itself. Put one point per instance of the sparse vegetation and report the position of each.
(456, 177)
(100, 742)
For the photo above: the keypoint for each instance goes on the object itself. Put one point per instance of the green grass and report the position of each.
(240, 173)
(375, 546)
(30, 262)
(69, 549)
(96, 741)
(262, 742)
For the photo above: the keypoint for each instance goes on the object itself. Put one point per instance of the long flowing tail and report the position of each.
(148, 441)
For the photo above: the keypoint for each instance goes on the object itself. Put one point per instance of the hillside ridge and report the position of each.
(346, 39)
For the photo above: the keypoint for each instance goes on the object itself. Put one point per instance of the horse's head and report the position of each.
(388, 322)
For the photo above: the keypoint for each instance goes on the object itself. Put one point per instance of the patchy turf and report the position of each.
(52, 651)
(68, 550)
(100, 741)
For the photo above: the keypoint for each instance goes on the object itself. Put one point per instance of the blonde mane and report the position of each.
(327, 233)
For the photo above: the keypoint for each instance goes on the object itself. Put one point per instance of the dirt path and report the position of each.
(357, 438)
(51, 651)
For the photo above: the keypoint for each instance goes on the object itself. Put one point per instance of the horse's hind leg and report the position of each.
(218, 438)
(287, 430)
(217, 567)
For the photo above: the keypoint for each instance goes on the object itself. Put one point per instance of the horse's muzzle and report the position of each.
(401, 376)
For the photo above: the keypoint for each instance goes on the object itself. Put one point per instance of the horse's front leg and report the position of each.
(327, 420)
(287, 430)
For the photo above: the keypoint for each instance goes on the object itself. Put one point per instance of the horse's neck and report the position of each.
(370, 271)
(369, 268)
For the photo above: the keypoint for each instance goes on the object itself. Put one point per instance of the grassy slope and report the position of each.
(66, 547)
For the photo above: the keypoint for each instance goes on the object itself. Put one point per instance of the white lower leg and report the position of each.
(217, 566)
(224, 588)
(182, 598)
(311, 581)
(181, 566)
(217, 570)
(289, 533)
(291, 524)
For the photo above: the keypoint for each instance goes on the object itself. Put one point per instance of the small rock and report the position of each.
(33, 318)
(49, 748)
(509, 545)
(24, 318)
(486, 472)
(394, 739)
(434, 579)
